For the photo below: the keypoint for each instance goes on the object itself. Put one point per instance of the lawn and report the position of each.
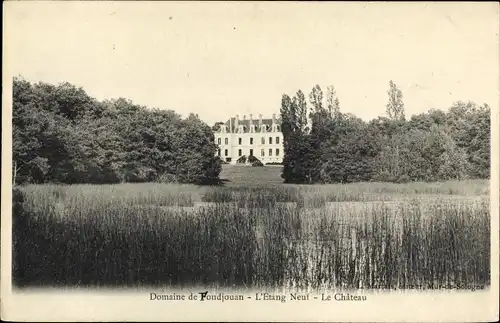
(254, 232)
(235, 175)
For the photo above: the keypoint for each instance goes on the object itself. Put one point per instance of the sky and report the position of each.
(222, 59)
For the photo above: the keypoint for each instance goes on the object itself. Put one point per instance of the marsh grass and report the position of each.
(297, 237)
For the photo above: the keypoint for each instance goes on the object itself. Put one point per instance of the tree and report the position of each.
(319, 134)
(60, 134)
(430, 146)
(395, 106)
(316, 99)
(332, 101)
(301, 110)
(469, 125)
(216, 126)
(38, 143)
(296, 164)
(421, 155)
(348, 153)
(288, 144)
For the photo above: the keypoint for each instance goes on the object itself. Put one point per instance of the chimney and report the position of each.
(236, 123)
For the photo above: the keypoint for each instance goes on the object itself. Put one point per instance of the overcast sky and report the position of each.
(220, 59)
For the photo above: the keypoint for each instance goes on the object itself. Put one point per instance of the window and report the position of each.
(263, 141)
(251, 152)
(218, 141)
(225, 152)
(225, 141)
(270, 152)
(277, 140)
(277, 152)
(270, 140)
(251, 141)
(239, 152)
(239, 141)
(262, 152)
(218, 152)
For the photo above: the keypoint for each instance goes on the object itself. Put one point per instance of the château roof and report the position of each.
(246, 123)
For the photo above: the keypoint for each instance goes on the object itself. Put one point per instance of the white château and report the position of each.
(261, 138)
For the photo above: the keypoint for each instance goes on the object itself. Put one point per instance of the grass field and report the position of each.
(254, 232)
(235, 175)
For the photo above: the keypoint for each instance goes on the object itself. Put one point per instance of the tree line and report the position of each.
(61, 134)
(324, 145)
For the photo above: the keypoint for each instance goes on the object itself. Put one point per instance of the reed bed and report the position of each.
(274, 236)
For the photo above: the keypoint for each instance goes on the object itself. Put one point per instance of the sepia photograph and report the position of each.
(236, 161)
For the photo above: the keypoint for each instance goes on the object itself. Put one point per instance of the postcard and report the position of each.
(250, 161)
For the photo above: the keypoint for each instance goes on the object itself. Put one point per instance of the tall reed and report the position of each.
(263, 236)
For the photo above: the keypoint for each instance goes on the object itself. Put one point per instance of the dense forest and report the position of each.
(324, 145)
(62, 135)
